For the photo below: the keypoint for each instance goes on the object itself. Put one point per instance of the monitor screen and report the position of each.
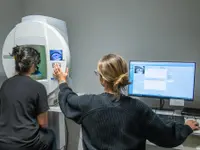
(56, 55)
(162, 79)
(41, 72)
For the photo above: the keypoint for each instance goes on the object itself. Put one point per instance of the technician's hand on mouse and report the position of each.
(59, 75)
(193, 124)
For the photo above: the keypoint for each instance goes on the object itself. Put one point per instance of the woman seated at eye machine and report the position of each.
(24, 106)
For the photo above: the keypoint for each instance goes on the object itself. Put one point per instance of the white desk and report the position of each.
(189, 144)
(178, 113)
(181, 147)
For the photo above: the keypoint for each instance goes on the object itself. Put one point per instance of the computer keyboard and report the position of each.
(172, 118)
(197, 132)
(167, 118)
(190, 111)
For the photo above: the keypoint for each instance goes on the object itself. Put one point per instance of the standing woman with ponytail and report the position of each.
(113, 121)
(23, 106)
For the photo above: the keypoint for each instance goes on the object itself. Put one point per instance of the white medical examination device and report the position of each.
(49, 36)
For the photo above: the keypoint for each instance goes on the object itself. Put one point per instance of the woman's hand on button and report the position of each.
(59, 74)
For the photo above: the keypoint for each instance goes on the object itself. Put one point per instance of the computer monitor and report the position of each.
(41, 72)
(164, 80)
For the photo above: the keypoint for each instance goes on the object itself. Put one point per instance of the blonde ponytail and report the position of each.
(120, 83)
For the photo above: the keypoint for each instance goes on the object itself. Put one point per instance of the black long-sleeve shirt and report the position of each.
(110, 123)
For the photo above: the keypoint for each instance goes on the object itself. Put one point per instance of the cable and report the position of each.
(55, 104)
(66, 134)
(162, 103)
(62, 148)
(55, 100)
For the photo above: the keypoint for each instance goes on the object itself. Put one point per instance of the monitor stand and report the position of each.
(161, 107)
(162, 103)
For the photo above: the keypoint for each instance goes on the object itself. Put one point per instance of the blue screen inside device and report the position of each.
(56, 55)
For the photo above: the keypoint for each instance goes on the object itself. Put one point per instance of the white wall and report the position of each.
(135, 29)
(11, 12)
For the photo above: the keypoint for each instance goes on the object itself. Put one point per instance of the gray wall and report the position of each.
(135, 29)
(11, 12)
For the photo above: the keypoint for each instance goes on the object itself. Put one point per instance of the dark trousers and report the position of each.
(45, 141)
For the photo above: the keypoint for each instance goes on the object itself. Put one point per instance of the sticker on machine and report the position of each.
(8, 57)
(53, 78)
(56, 55)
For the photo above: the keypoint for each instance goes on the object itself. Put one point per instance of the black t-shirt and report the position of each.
(22, 99)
